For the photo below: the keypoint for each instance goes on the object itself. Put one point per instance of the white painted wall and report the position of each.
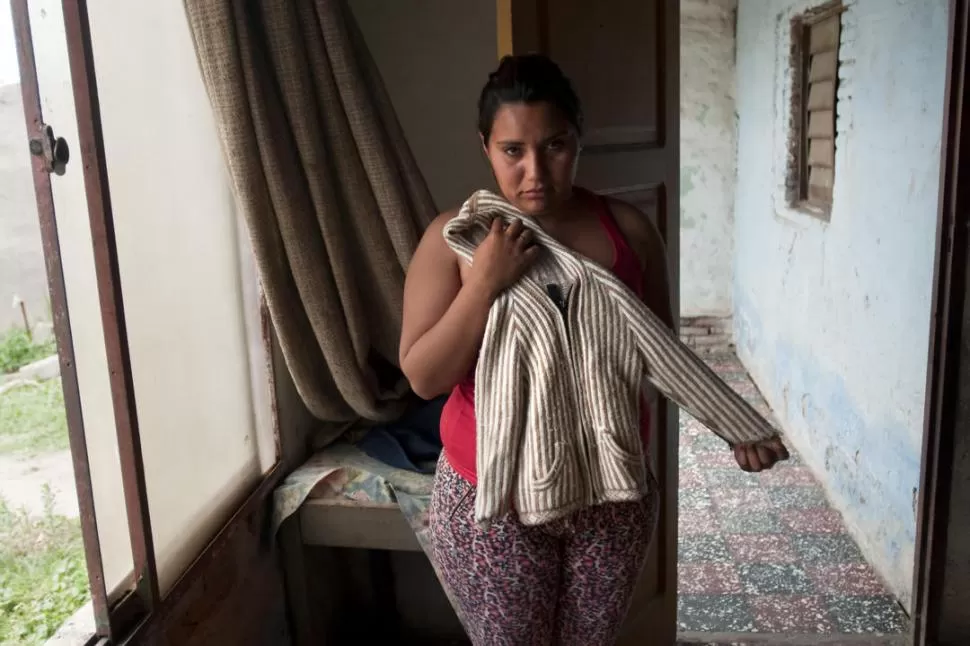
(177, 235)
(434, 57)
(708, 151)
(833, 319)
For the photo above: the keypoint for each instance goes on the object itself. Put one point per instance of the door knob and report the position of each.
(54, 150)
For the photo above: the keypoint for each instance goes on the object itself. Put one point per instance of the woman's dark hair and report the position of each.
(528, 78)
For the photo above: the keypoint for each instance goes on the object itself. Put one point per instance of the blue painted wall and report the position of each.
(832, 318)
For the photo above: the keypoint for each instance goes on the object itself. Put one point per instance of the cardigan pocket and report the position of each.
(546, 480)
(612, 445)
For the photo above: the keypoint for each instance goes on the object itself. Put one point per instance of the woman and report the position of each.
(568, 581)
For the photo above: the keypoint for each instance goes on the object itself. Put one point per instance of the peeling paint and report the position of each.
(708, 151)
(687, 176)
(832, 319)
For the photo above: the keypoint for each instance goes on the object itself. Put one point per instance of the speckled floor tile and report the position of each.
(867, 615)
(746, 499)
(821, 548)
(691, 478)
(793, 476)
(720, 613)
(708, 578)
(708, 442)
(692, 522)
(719, 459)
(795, 614)
(742, 521)
(775, 579)
(761, 548)
(695, 498)
(812, 521)
(688, 459)
(690, 427)
(797, 497)
(764, 553)
(703, 548)
(731, 478)
(847, 579)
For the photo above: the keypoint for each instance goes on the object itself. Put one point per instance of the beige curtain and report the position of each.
(331, 194)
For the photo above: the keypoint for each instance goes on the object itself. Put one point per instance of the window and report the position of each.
(815, 66)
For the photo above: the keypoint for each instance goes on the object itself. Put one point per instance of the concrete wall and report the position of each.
(22, 270)
(434, 57)
(708, 150)
(833, 319)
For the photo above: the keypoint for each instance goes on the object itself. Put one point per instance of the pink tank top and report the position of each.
(458, 415)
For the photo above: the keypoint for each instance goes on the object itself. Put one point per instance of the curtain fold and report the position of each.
(331, 194)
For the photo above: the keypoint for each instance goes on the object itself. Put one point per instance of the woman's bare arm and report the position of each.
(444, 322)
(445, 316)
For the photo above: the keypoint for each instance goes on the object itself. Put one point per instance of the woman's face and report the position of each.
(533, 151)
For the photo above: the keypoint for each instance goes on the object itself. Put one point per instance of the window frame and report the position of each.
(140, 606)
(799, 168)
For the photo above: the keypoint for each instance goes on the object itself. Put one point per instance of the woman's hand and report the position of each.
(760, 455)
(505, 254)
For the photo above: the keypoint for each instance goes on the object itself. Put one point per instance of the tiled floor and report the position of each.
(764, 552)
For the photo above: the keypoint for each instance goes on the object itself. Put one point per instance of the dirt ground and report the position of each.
(22, 480)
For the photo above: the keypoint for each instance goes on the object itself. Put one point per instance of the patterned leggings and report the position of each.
(566, 582)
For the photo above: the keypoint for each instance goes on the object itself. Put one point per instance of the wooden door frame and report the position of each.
(941, 580)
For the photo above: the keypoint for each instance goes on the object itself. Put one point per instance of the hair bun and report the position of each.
(527, 78)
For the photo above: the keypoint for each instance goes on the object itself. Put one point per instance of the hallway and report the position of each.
(765, 553)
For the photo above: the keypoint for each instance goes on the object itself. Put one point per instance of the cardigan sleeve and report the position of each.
(687, 381)
(500, 411)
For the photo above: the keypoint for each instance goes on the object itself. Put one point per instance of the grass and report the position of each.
(43, 579)
(17, 349)
(32, 418)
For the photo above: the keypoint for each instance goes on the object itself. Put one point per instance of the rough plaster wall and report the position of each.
(22, 270)
(833, 319)
(434, 56)
(708, 150)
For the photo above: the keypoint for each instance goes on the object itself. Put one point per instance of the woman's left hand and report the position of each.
(760, 455)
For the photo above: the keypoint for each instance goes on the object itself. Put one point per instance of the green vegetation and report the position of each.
(17, 349)
(32, 418)
(43, 579)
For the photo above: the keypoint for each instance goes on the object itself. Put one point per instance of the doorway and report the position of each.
(807, 255)
(746, 331)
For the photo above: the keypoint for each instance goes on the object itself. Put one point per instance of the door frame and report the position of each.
(41, 150)
(941, 577)
(141, 614)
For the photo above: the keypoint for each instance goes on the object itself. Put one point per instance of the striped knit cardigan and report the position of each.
(559, 380)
